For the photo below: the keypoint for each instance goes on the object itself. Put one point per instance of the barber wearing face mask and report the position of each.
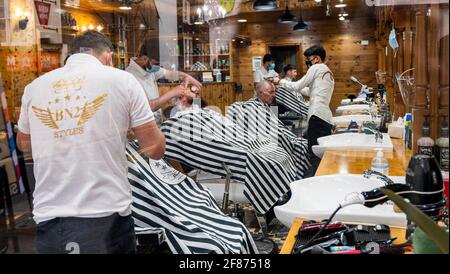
(82, 199)
(267, 70)
(147, 71)
(318, 85)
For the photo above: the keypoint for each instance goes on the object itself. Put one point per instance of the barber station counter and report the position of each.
(355, 162)
(220, 94)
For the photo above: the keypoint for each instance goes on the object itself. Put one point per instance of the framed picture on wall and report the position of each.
(256, 62)
(186, 12)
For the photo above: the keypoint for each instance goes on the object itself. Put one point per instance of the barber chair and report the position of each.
(297, 124)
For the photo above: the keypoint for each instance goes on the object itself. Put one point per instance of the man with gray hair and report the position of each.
(75, 120)
(265, 91)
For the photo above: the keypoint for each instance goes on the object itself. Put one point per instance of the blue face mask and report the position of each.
(393, 41)
(153, 69)
(272, 66)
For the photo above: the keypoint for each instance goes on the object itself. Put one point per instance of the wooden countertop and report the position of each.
(355, 162)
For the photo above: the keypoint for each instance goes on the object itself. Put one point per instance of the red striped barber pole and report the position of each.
(11, 141)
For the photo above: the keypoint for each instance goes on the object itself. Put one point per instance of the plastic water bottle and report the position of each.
(219, 76)
(379, 163)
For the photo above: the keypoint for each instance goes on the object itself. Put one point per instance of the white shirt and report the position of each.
(262, 73)
(78, 117)
(318, 84)
(148, 83)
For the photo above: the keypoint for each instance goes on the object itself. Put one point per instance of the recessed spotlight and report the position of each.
(242, 20)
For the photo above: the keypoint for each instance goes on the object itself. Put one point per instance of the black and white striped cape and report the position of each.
(204, 139)
(292, 101)
(167, 201)
(258, 119)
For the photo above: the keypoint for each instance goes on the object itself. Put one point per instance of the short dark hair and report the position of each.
(149, 47)
(288, 68)
(316, 50)
(267, 58)
(91, 39)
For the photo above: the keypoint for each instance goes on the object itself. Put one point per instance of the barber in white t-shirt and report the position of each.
(75, 120)
(267, 70)
(147, 71)
(318, 85)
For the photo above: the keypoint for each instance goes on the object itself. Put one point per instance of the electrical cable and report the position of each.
(321, 230)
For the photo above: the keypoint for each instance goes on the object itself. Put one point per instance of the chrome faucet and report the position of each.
(385, 179)
(377, 133)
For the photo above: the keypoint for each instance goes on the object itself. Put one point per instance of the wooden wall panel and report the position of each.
(346, 56)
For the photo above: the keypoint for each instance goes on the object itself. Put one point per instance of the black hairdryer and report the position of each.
(424, 188)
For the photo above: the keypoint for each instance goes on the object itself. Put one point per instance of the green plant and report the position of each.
(436, 233)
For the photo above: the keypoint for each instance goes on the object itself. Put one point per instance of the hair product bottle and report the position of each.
(426, 143)
(442, 146)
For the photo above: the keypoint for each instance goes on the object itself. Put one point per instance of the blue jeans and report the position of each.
(113, 234)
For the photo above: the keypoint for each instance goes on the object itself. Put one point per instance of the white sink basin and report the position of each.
(351, 141)
(316, 198)
(348, 101)
(344, 121)
(353, 109)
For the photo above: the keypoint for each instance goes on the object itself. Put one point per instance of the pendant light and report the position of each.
(301, 25)
(265, 5)
(287, 16)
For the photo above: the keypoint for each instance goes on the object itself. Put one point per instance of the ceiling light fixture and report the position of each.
(287, 16)
(341, 4)
(301, 25)
(265, 5)
(343, 13)
(341, 18)
(242, 20)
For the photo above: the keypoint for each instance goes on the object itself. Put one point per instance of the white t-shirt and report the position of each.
(148, 83)
(318, 84)
(262, 73)
(78, 117)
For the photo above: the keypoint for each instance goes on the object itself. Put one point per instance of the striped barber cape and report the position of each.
(167, 201)
(204, 139)
(260, 121)
(292, 100)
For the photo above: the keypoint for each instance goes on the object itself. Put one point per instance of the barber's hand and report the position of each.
(276, 81)
(181, 90)
(189, 80)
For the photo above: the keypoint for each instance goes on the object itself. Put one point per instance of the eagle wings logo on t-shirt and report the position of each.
(72, 106)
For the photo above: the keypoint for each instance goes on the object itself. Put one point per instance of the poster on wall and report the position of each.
(49, 61)
(256, 62)
(20, 62)
(43, 12)
(48, 21)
